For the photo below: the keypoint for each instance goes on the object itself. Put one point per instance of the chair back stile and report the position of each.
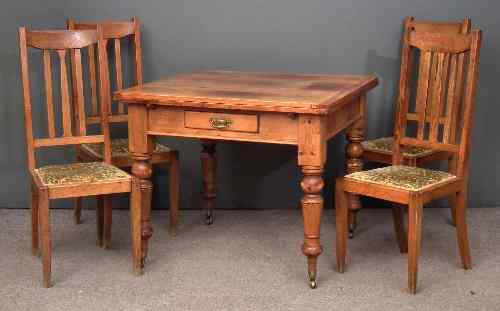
(62, 42)
(112, 32)
(441, 98)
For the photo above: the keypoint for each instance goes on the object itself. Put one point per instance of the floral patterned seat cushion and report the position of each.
(403, 177)
(119, 147)
(79, 173)
(384, 145)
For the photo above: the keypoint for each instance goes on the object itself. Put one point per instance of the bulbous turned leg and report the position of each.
(142, 170)
(354, 152)
(209, 168)
(312, 206)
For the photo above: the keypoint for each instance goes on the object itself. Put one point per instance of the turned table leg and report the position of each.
(141, 205)
(354, 163)
(209, 168)
(311, 158)
(312, 206)
(141, 147)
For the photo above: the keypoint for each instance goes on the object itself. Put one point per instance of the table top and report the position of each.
(251, 91)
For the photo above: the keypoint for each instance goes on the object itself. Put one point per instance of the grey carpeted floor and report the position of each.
(248, 260)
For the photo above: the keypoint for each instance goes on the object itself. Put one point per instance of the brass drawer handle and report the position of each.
(220, 123)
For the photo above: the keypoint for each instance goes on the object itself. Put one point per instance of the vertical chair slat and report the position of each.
(47, 75)
(423, 90)
(118, 70)
(451, 102)
(79, 108)
(66, 108)
(438, 88)
(105, 96)
(457, 96)
(93, 83)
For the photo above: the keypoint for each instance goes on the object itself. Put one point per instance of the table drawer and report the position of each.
(248, 123)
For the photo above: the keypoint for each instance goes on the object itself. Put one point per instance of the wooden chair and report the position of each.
(380, 150)
(116, 32)
(440, 119)
(68, 180)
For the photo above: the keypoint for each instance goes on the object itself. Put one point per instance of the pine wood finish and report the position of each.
(116, 33)
(415, 156)
(70, 180)
(443, 123)
(278, 108)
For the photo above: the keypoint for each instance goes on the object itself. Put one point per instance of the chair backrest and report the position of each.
(112, 32)
(447, 27)
(62, 43)
(441, 117)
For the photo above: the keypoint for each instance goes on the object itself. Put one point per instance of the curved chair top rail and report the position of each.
(440, 42)
(60, 39)
(110, 29)
(462, 26)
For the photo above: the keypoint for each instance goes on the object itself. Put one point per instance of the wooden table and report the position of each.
(279, 108)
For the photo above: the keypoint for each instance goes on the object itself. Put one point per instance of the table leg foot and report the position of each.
(209, 218)
(312, 264)
(352, 223)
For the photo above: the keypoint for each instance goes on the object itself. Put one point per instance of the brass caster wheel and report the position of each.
(172, 231)
(209, 219)
(352, 228)
(144, 262)
(312, 280)
(313, 284)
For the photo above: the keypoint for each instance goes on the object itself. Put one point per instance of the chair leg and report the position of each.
(34, 223)
(77, 212)
(415, 213)
(452, 199)
(45, 232)
(462, 235)
(100, 220)
(174, 193)
(107, 220)
(399, 228)
(342, 219)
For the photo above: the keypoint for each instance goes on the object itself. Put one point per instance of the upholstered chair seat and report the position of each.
(79, 173)
(119, 147)
(384, 145)
(403, 177)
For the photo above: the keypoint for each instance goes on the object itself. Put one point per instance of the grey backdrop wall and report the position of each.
(315, 36)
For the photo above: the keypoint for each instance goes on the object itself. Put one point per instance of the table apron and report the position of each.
(264, 127)
(276, 128)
